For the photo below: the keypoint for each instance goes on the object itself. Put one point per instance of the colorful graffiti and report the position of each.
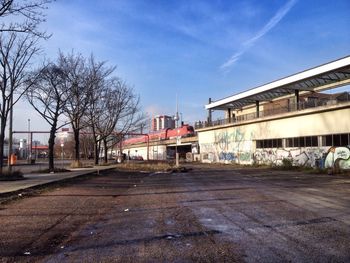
(229, 147)
(299, 156)
(237, 147)
(338, 157)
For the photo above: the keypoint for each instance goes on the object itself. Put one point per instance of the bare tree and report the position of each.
(79, 85)
(99, 79)
(48, 96)
(122, 113)
(23, 16)
(16, 52)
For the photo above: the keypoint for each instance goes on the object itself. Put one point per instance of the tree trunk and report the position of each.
(96, 152)
(77, 146)
(2, 143)
(51, 148)
(105, 149)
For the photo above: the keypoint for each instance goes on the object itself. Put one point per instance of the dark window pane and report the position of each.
(344, 139)
(302, 142)
(289, 142)
(274, 143)
(269, 143)
(257, 144)
(279, 143)
(328, 140)
(336, 140)
(308, 142)
(296, 142)
(314, 141)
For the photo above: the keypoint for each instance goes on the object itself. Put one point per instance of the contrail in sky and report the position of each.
(271, 24)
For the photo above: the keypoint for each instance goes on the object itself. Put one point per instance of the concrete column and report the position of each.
(257, 109)
(209, 113)
(229, 115)
(297, 98)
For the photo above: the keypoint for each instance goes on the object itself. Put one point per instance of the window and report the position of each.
(308, 141)
(336, 139)
(269, 143)
(311, 141)
(289, 142)
(327, 140)
(344, 138)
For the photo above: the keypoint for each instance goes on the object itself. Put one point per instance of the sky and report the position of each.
(195, 50)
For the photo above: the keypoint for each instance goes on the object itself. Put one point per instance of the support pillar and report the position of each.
(229, 115)
(257, 109)
(297, 98)
(209, 113)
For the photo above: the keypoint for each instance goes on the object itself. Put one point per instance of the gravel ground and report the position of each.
(205, 215)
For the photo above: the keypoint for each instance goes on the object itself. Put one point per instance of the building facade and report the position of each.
(291, 118)
(161, 122)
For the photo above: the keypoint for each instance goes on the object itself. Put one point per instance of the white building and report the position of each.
(290, 118)
(161, 122)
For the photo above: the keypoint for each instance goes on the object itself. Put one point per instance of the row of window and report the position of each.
(269, 143)
(306, 141)
(336, 139)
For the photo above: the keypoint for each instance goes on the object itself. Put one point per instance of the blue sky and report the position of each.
(198, 49)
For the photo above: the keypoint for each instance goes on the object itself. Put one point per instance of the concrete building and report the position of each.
(290, 118)
(161, 122)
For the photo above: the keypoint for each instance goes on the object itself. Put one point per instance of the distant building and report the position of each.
(160, 122)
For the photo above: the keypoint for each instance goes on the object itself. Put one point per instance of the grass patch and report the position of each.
(11, 176)
(146, 166)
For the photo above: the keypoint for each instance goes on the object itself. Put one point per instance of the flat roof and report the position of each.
(330, 75)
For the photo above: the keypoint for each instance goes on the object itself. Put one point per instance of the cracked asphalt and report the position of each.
(210, 214)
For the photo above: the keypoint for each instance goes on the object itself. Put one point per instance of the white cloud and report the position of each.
(249, 43)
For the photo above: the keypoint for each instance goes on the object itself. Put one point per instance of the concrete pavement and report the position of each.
(39, 179)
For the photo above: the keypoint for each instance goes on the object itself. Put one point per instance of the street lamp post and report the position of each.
(29, 155)
(62, 153)
(9, 155)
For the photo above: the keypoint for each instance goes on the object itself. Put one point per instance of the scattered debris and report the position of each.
(62, 247)
(27, 253)
(126, 210)
(19, 194)
(134, 185)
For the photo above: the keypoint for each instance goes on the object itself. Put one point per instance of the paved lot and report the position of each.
(206, 215)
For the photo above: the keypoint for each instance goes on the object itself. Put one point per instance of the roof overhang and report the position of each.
(331, 75)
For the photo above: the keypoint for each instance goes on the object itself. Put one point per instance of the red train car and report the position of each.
(184, 131)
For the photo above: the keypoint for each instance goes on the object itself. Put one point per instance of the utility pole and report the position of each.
(177, 137)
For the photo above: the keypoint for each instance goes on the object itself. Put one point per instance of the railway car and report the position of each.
(183, 131)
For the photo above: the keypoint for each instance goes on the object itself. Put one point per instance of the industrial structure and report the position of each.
(290, 118)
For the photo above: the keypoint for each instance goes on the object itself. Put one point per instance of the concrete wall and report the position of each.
(237, 143)
(155, 152)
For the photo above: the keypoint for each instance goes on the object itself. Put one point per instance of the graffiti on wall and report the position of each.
(237, 147)
(299, 156)
(338, 156)
(229, 147)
